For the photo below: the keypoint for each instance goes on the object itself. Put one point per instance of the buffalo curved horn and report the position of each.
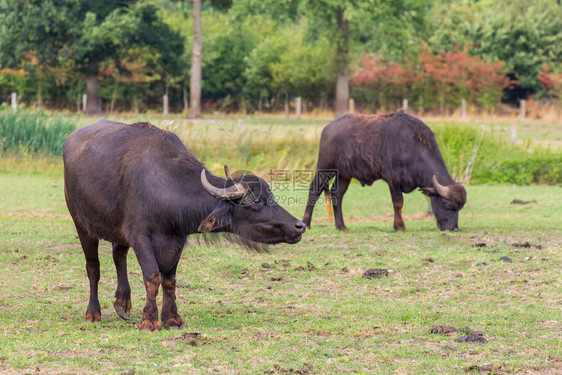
(442, 190)
(227, 173)
(234, 192)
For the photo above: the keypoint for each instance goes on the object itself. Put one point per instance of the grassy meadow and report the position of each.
(302, 308)
(311, 311)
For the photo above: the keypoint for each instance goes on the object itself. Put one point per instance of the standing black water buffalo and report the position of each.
(137, 185)
(398, 148)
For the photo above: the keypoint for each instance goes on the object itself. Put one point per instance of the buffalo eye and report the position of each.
(449, 205)
(257, 201)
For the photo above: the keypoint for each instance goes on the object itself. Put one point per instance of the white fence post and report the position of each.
(405, 105)
(513, 133)
(240, 128)
(165, 103)
(84, 102)
(351, 105)
(14, 102)
(298, 108)
(463, 111)
(522, 109)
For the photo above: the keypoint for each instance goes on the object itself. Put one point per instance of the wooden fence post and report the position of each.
(405, 105)
(165, 104)
(14, 102)
(351, 105)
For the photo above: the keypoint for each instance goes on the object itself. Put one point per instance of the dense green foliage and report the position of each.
(52, 41)
(473, 154)
(481, 156)
(34, 132)
(257, 52)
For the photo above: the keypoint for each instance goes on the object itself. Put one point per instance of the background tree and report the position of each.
(86, 32)
(195, 86)
(523, 34)
(32, 34)
(131, 53)
(347, 21)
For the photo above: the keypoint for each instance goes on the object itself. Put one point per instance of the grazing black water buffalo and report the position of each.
(398, 148)
(137, 185)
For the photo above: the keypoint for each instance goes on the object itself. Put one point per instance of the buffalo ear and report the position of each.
(217, 221)
(428, 191)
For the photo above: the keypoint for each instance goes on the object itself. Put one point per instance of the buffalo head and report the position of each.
(446, 202)
(248, 209)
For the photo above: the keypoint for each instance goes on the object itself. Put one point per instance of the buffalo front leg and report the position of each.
(90, 248)
(320, 182)
(338, 189)
(122, 303)
(152, 281)
(398, 203)
(170, 316)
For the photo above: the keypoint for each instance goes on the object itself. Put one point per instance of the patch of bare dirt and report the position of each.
(375, 273)
(189, 338)
(33, 215)
(263, 334)
(484, 369)
(519, 201)
(473, 335)
(443, 329)
(526, 245)
(472, 338)
(306, 368)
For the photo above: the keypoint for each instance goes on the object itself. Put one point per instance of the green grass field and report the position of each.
(311, 312)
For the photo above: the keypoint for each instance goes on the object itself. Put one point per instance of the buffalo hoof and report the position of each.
(400, 229)
(343, 228)
(174, 323)
(122, 308)
(93, 318)
(147, 325)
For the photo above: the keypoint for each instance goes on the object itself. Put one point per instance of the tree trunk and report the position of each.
(113, 96)
(39, 97)
(195, 86)
(342, 52)
(185, 102)
(92, 88)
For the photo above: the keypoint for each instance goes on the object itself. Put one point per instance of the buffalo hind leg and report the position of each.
(170, 316)
(152, 281)
(337, 191)
(398, 203)
(320, 182)
(90, 248)
(122, 303)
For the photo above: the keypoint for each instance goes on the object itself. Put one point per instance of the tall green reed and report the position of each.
(34, 132)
